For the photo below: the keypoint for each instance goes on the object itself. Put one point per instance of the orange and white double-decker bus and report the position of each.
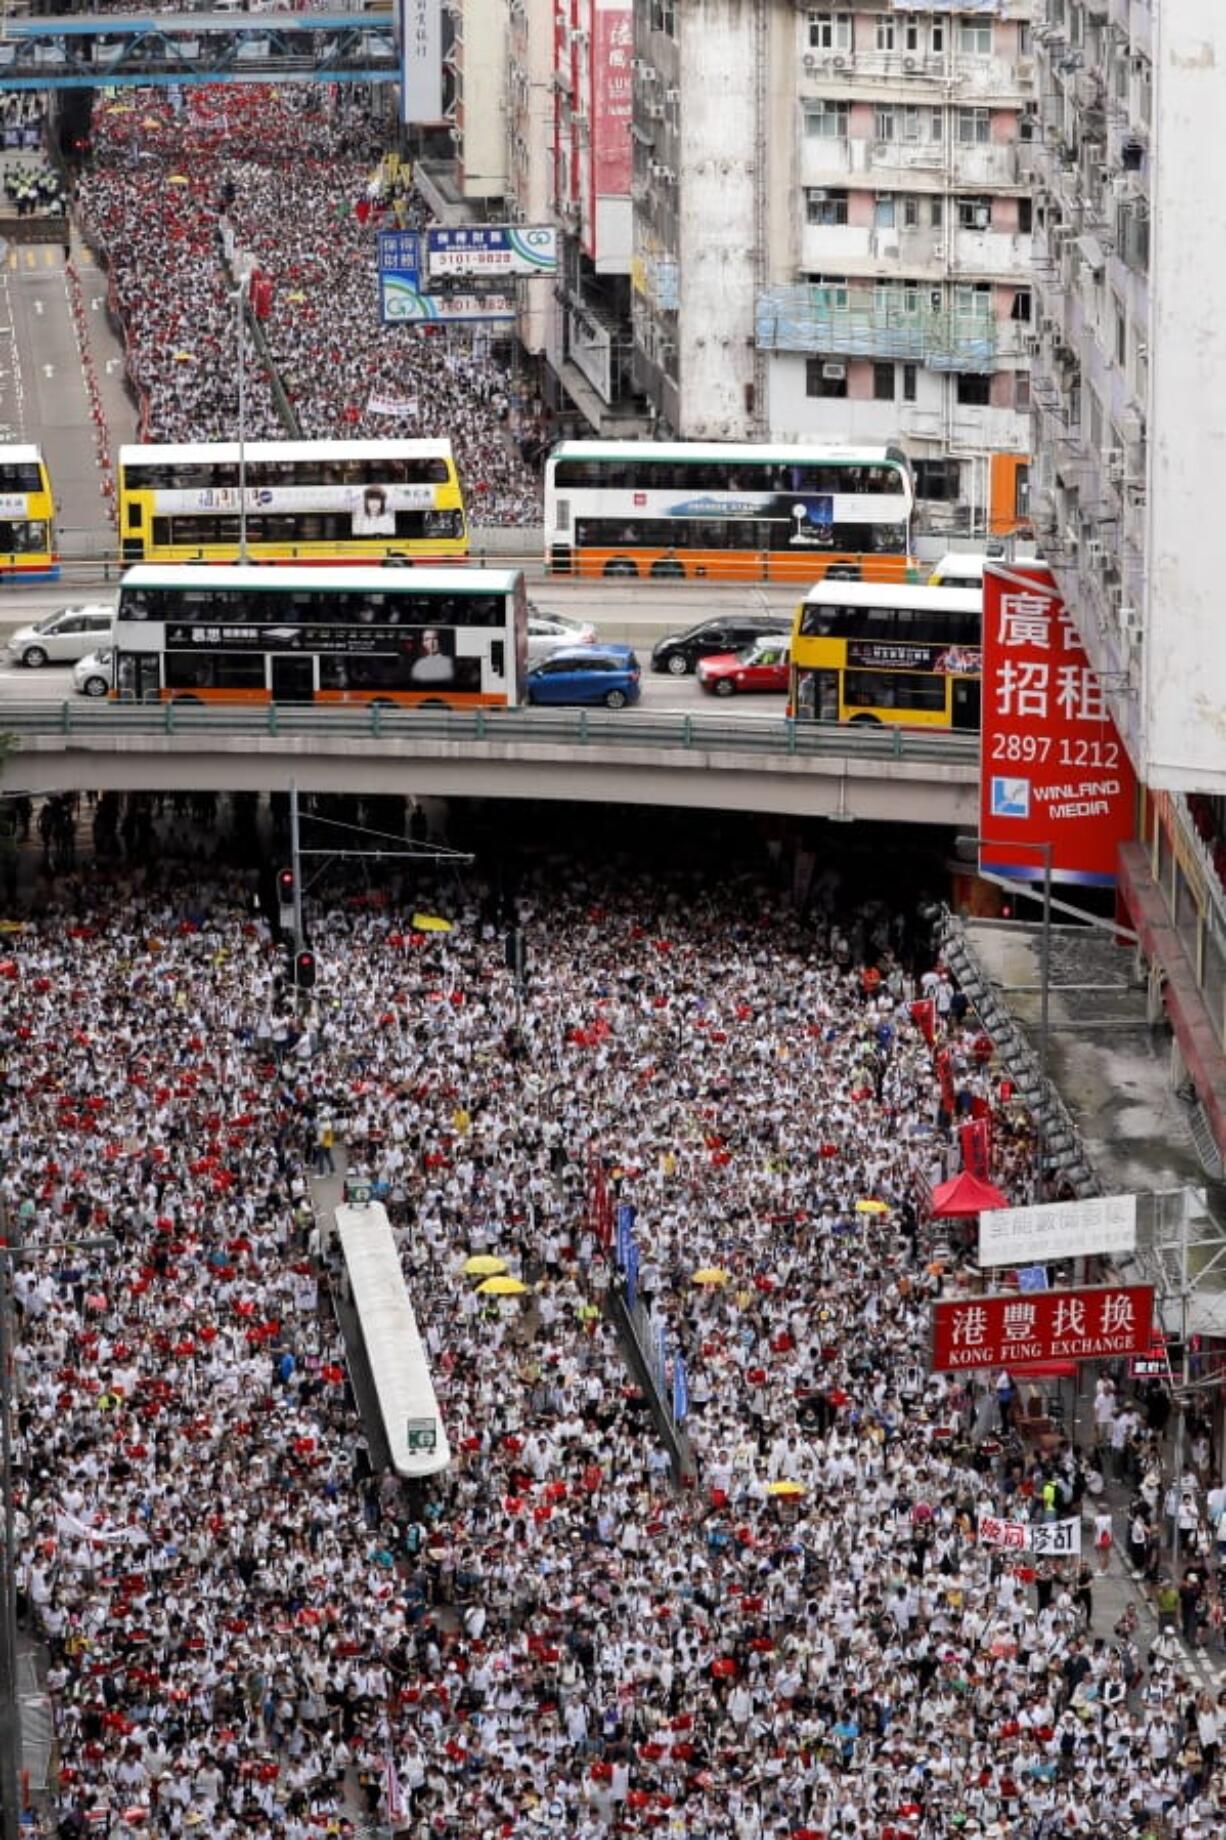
(691, 510)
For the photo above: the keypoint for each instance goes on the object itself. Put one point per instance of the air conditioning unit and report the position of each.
(910, 64)
(1096, 552)
(1130, 624)
(834, 373)
(938, 252)
(1113, 464)
(1071, 539)
(838, 63)
(809, 61)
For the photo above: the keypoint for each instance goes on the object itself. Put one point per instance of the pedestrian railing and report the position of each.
(85, 723)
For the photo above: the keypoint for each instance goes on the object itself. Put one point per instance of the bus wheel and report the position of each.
(621, 565)
(847, 572)
(667, 569)
(427, 702)
(865, 722)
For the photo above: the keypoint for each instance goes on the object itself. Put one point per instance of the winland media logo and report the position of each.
(1089, 799)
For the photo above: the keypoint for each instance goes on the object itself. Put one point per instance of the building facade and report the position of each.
(833, 233)
(1130, 236)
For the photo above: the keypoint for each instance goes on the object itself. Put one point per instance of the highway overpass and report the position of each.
(623, 757)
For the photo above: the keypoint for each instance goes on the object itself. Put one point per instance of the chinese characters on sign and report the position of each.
(1058, 1230)
(1011, 1331)
(1049, 1539)
(612, 106)
(1054, 770)
(493, 249)
(420, 24)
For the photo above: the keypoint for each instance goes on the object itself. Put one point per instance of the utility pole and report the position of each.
(295, 857)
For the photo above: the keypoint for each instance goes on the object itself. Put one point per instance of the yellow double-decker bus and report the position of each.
(27, 515)
(305, 501)
(908, 656)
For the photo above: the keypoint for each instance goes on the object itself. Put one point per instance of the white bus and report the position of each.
(676, 510)
(307, 501)
(452, 637)
(392, 1350)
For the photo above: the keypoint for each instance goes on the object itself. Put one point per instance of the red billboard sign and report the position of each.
(1053, 769)
(1101, 1322)
(612, 100)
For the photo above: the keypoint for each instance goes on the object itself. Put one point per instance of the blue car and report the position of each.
(607, 674)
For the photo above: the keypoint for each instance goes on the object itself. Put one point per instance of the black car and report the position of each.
(679, 653)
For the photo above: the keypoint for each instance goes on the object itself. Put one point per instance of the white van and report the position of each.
(959, 569)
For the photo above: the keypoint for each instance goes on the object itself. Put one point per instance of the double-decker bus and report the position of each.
(903, 655)
(220, 634)
(27, 515)
(675, 510)
(306, 501)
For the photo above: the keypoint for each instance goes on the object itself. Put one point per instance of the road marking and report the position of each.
(112, 365)
(96, 302)
(39, 308)
(48, 370)
(31, 259)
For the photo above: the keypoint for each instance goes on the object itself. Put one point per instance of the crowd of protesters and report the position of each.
(296, 177)
(252, 1632)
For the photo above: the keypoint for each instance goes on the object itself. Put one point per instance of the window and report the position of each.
(973, 300)
(1025, 216)
(883, 211)
(1121, 330)
(885, 32)
(826, 120)
(1021, 392)
(910, 213)
(910, 35)
(830, 31)
(974, 389)
(937, 37)
(910, 378)
(974, 127)
(883, 383)
(1022, 301)
(884, 122)
(974, 213)
(829, 296)
(936, 212)
(937, 479)
(912, 122)
(825, 208)
(824, 377)
(975, 37)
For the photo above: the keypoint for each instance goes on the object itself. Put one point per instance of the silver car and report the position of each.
(91, 675)
(63, 637)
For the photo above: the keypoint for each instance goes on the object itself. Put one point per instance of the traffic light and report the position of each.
(287, 903)
(304, 970)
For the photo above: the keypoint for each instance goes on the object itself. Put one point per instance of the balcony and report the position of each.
(914, 77)
(803, 319)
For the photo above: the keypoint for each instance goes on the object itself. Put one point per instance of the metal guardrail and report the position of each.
(81, 720)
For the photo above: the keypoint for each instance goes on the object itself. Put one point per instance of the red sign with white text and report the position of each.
(612, 107)
(1101, 1322)
(1053, 769)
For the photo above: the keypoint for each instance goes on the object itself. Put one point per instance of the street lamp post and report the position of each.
(242, 281)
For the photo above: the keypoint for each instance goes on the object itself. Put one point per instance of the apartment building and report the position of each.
(833, 233)
(1130, 367)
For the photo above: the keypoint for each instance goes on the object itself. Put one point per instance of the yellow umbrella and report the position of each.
(430, 923)
(12, 926)
(503, 1285)
(710, 1274)
(174, 178)
(871, 1207)
(297, 297)
(785, 1488)
(484, 1265)
(185, 357)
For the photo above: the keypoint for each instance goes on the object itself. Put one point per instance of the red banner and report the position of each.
(924, 1015)
(1098, 1323)
(612, 81)
(1053, 768)
(945, 1078)
(976, 1141)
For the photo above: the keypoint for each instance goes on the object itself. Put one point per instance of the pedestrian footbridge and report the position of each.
(172, 50)
(606, 757)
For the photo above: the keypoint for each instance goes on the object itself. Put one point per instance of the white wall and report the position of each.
(1184, 656)
(485, 80)
(717, 219)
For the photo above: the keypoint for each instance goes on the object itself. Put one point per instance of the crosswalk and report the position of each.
(24, 256)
